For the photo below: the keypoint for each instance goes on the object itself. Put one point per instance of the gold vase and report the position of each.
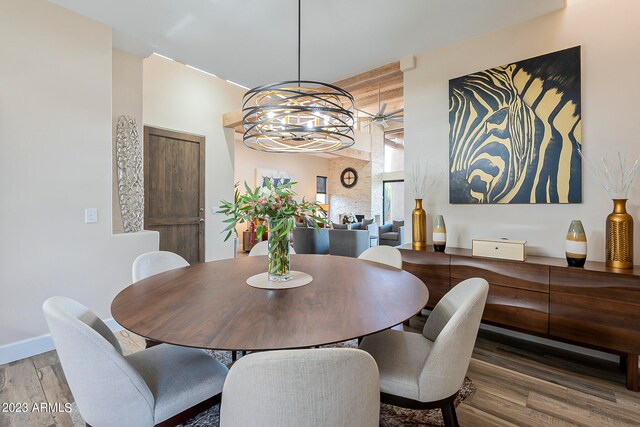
(619, 244)
(419, 226)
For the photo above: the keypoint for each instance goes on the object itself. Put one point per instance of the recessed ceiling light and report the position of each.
(162, 56)
(202, 71)
(238, 84)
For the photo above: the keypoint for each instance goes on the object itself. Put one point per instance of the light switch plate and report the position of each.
(90, 215)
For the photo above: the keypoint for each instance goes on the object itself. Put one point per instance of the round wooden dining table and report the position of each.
(209, 305)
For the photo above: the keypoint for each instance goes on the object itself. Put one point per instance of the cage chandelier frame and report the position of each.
(298, 116)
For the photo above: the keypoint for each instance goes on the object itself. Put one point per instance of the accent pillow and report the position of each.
(339, 226)
(355, 226)
(366, 223)
(396, 225)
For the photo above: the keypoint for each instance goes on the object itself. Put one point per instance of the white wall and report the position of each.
(608, 33)
(185, 100)
(55, 161)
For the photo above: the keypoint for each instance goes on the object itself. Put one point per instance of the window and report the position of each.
(394, 151)
(392, 201)
(321, 189)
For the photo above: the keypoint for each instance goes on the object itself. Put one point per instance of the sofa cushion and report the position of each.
(355, 226)
(337, 226)
(396, 225)
(392, 235)
(301, 225)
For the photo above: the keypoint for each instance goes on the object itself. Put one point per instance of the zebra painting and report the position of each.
(514, 131)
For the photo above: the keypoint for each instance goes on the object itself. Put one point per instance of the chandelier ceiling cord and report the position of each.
(298, 116)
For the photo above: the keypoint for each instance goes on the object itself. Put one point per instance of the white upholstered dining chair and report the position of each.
(152, 263)
(164, 384)
(332, 387)
(387, 255)
(262, 249)
(425, 371)
(155, 262)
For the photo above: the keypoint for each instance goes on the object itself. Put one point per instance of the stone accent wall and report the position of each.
(355, 199)
(366, 197)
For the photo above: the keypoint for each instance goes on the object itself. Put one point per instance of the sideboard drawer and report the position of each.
(595, 308)
(519, 309)
(513, 274)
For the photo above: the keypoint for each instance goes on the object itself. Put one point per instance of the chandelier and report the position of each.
(298, 116)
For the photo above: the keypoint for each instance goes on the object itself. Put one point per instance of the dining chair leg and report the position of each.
(455, 416)
(449, 415)
(234, 356)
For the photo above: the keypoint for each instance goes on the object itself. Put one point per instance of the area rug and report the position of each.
(390, 416)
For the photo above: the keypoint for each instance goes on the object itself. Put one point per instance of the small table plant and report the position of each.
(276, 205)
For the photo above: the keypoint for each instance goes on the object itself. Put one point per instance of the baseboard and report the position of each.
(37, 345)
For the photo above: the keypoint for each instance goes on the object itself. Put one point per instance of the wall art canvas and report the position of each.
(514, 132)
(276, 177)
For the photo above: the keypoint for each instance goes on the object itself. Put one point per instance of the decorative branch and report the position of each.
(614, 176)
(422, 179)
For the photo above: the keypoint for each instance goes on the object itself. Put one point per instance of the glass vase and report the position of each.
(619, 238)
(419, 227)
(279, 251)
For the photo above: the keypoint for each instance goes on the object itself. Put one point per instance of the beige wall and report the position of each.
(126, 100)
(302, 167)
(55, 161)
(608, 34)
(186, 100)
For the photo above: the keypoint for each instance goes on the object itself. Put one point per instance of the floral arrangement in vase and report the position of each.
(349, 218)
(278, 208)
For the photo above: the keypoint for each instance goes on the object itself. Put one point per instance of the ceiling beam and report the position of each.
(387, 96)
(233, 120)
(372, 77)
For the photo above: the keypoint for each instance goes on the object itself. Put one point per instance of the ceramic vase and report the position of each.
(279, 251)
(419, 227)
(439, 234)
(619, 236)
(576, 244)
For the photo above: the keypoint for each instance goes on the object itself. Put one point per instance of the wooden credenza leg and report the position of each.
(632, 372)
(623, 362)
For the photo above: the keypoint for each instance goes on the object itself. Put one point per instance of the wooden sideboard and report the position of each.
(594, 306)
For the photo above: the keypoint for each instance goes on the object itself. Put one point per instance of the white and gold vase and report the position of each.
(439, 234)
(576, 244)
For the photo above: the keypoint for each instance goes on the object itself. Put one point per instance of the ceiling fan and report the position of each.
(382, 119)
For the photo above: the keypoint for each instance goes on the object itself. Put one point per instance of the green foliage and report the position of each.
(271, 202)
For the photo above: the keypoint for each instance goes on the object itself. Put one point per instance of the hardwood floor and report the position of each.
(518, 384)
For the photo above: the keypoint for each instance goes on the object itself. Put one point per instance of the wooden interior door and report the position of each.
(174, 191)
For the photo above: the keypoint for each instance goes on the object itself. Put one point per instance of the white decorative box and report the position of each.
(515, 250)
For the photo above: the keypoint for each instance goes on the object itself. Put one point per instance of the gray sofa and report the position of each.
(348, 242)
(306, 240)
(391, 234)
